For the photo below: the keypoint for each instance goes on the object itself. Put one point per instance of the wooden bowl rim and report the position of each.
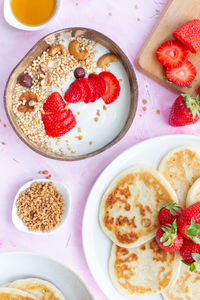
(134, 98)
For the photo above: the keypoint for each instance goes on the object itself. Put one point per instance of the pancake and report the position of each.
(193, 194)
(144, 270)
(14, 294)
(181, 167)
(129, 209)
(187, 286)
(41, 289)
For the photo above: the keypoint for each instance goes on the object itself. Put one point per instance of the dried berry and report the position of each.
(79, 72)
(25, 80)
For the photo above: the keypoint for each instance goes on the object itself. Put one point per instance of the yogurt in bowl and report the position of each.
(99, 124)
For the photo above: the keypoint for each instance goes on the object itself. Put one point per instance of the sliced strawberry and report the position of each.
(61, 131)
(73, 94)
(189, 35)
(85, 89)
(63, 123)
(54, 103)
(100, 85)
(51, 118)
(112, 87)
(92, 85)
(182, 76)
(172, 54)
(198, 90)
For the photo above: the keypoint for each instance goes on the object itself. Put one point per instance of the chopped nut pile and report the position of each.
(41, 206)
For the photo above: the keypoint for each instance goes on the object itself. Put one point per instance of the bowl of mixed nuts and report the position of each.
(73, 95)
(41, 207)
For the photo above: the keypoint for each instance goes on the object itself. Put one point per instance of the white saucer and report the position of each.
(64, 192)
(13, 21)
(21, 265)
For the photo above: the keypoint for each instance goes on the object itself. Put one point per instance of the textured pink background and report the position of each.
(19, 164)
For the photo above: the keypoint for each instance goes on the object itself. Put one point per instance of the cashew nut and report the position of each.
(105, 59)
(30, 99)
(58, 48)
(76, 52)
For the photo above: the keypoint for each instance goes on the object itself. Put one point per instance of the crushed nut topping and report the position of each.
(41, 206)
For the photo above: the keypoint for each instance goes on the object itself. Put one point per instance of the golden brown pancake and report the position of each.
(187, 286)
(193, 194)
(144, 270)
(14, 294)
(181, 167)
(129, 208)
(39, 288)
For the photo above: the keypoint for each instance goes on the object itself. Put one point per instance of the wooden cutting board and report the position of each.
(175, 14)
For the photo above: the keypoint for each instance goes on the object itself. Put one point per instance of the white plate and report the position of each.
(95, 243)
(17, 222)
(18, 265)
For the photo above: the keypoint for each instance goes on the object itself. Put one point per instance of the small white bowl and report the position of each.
(13, 21)
(64, 192)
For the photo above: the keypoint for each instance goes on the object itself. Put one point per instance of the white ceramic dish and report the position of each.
(21, 265)
(13, 21)
(64, 192)
(95, 243)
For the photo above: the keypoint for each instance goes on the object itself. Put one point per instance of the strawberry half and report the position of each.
(172, 54)
(51, 117)
(169, 213)
(112, 87)
(61, 131)
(189, 35)
(185, 111)
(190, 253)
(54, 103)
(168, 238)
(99, 83)
(182, 76)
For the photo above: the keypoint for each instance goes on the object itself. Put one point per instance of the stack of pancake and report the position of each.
(30, 289)
(129, 217)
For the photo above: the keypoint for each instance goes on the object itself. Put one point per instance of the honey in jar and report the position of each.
(33, 12)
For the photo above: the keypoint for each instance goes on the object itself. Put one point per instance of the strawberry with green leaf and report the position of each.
(169, 213)
(185, 111)
(189, 223)
(190, 253)
(168, 237)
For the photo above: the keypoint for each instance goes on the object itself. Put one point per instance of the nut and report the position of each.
(44, 76)
(25, 80)
(58, 48)
(79, 72)
(75, 51)
(53, 64)
(105, 59)
(29, 99)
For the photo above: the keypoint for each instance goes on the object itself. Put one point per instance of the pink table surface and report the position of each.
(128, 23)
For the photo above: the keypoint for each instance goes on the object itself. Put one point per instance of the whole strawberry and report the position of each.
(189, 223)
(169, 213)
(168, 238)
(190, 253)
(185, 111)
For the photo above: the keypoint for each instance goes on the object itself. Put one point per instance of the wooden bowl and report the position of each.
(41, 46)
